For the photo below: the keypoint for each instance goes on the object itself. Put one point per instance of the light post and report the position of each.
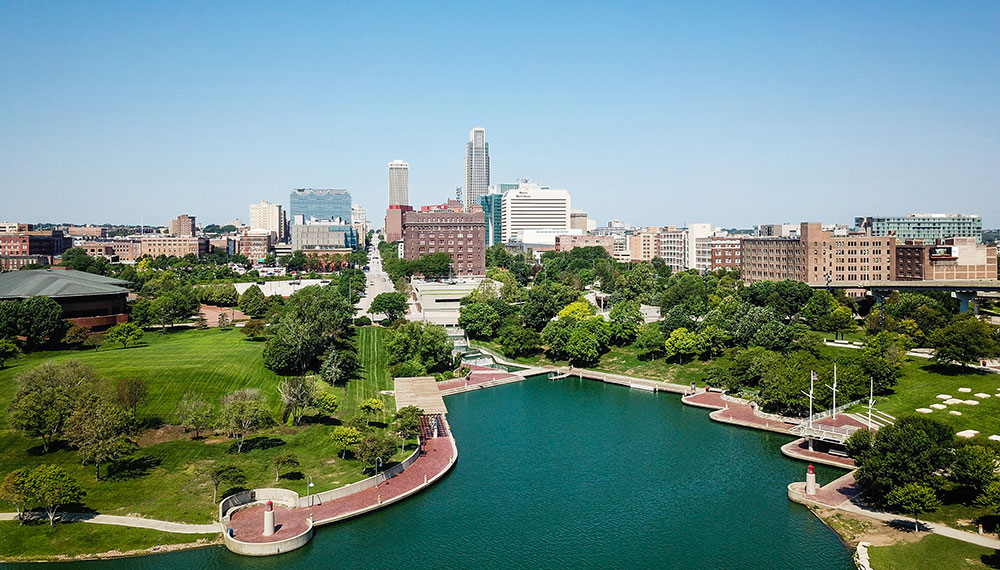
(378, 461)
(309, 490)
(812, 382)
(834, 390)
(871, 401)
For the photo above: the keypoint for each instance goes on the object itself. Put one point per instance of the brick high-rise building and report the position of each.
(460, 234)
(183, 226)
(394, 222)
(818, 256)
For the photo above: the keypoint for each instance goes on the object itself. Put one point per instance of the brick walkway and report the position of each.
(248, 523)
(478, 375)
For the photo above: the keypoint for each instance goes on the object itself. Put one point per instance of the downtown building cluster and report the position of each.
(529, 216)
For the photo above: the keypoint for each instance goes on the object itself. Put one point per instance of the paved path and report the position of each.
(247, 524)
(134, 522)
(479, 377)
(841, 494)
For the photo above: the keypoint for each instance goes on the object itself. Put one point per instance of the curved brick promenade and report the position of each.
(438, 456)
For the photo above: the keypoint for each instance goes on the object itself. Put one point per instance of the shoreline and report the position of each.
(219, 540)
(116, 554)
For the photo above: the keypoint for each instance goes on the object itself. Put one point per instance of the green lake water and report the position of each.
(576, 474)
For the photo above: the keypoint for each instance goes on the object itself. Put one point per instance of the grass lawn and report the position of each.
(933, 552)
(624, 360)
(922, 380)
(169, 465)
(39, 541)
(212, 362)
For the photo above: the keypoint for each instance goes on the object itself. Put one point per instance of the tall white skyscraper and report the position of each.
(477, 168)
(268, 216)
(399, 183)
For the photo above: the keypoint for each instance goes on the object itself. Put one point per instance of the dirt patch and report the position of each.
(217, 440)
(163, 434)
(854, 528)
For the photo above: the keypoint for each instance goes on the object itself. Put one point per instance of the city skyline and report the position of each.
(738, 115)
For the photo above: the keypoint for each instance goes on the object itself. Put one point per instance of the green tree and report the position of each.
(582, 347)
(193, 412)
(99, 431)
(989, 499)
(254, 329)
(370, 407)
(75, 336)
(223, 321)
(859, 442)
(16, 490)
(124, 333)
(339, 365)
(312, 319)
(774, 335)
(914, 499)
(242, 417)
(425, 343)
(479, 320)
(326, 402)
(841, 321)
(683, 344)
(374, 448)
(817, 311)
(346, 437)
(226, 473)
(41, 320)
(975, 466)
(42, 413)
(966, 339)
(408, 421)
(518, 341)
(435, 264)
(556, 336)
(53, 487)
(650, 341)
(913, 450)
(297, 393)
(578, 310)
(626, 318)
(8, 351)
(252, 302)
(714, 340)
(175, 305)
(284, 462)
(392, 305)
(130, 392)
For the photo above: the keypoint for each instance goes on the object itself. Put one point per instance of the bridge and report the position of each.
(963, 290)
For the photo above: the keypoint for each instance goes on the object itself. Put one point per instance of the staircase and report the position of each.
(879, 419)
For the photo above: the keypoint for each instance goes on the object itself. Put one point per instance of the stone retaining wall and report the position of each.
(320, 498)
(268, 548)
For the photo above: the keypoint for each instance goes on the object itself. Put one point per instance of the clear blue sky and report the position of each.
(659, 113)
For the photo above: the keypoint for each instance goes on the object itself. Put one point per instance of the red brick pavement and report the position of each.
(248, 523)
(478, 375)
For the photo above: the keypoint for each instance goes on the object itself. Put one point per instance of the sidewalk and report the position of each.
(134, 522)
(247, 524)
(841, 494)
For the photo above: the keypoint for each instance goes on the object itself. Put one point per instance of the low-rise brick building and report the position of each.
(951, 259)
(460, 234)
(567, 242)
